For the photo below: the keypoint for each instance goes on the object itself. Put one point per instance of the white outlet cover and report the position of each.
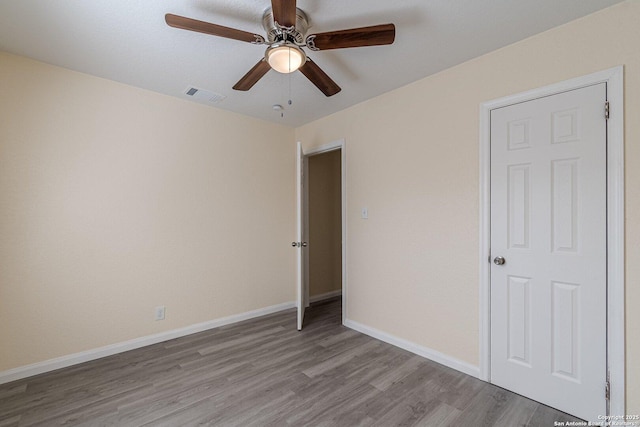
(365, 213)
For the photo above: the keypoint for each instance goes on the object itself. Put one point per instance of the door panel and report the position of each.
(564, 213)
(519, 321)
(565, 330)
(548, 220)
(519, 203)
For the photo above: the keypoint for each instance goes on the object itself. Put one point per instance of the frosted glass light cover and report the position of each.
(285, 58)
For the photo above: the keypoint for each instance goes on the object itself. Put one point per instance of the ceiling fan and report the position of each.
(286, 28)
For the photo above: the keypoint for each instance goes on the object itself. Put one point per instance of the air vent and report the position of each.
(204, 95)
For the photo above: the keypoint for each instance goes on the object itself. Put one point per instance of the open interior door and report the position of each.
(300, 243)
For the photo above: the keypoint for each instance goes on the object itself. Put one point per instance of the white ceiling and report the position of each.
(129, 42)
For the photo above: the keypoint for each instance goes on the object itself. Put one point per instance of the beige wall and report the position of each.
(325, 228)
(412, 159)
(114, 200)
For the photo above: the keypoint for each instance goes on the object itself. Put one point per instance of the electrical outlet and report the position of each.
(160, 312)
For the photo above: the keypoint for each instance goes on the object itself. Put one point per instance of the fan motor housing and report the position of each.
(275, 33)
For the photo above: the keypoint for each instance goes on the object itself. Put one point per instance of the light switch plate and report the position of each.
(365, 213)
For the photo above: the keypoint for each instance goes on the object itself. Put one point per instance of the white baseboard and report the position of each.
(322, 297)
(425, 352)
(86, 356)
(109, 350)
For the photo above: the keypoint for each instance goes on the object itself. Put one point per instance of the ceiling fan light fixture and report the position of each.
(285, 58)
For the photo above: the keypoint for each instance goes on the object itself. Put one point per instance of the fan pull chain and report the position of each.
(289, 79)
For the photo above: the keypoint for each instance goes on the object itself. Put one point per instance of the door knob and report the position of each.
(304, 244)
(499, 260)
(294, 244)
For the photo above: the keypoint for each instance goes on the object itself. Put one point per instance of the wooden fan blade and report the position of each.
(284, 12)
(355, 37)
(252, 77)
(213, 29)
(319, 78)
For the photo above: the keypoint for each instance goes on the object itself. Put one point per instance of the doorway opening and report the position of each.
(324, 223)
(322, 230)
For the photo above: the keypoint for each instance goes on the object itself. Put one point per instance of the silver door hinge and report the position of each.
(606, 110)
(607, 390)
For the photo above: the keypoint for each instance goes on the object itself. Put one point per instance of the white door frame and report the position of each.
(332, 146)
(615, 223)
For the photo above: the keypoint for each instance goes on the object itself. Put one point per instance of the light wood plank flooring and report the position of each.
(263, 372)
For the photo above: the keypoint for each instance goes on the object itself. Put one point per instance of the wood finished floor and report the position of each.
(263, 372)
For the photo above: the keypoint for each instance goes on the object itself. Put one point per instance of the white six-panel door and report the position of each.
(548, 222)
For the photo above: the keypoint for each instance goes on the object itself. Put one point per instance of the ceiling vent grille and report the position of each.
(204, 95)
